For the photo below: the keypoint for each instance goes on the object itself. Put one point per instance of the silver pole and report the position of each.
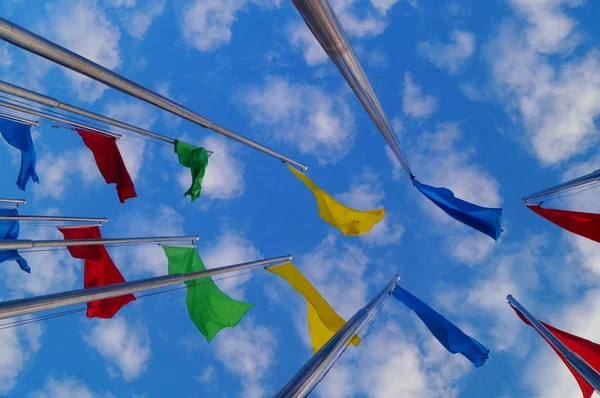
(582, 367)
(594, 176)
(57, 300)
(302, 383)
(38, 45)
(19, 119)
(28, 244)
(55, 218)
(16, 202)
(57, 119)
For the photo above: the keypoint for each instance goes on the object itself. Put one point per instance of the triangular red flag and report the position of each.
(582, 224)
(98, 270)
(109, 162)
(589, 351)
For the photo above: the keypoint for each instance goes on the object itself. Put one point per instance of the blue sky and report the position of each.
(492, 99)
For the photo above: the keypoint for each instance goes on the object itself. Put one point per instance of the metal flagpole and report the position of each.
(28, 244)
(19, 119)
(31, 42)
(577, 182)
(586, 371)
(16, 202)
(54, 218)
(51, 301)
(302, 383)
(57, 119)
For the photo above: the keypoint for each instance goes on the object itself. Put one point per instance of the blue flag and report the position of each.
(19, 136)
(9, 230)
(483, 219)
(443, 330)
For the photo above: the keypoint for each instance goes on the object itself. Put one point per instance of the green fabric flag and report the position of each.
(196, 158)
(210, 309)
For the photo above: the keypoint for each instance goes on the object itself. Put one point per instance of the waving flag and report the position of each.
(582, 224)
(9, 230)
(110, 162)
(451, 337)
(98, 270)
(323, 321)
(18, 135)
(483, 219)
(349, 221)
(210, 309)
(196, 159)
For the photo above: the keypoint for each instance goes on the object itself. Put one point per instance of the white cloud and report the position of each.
(137, 22)
(54, 173)
(450, 56)
(67, 388)
(301, 37)
(120, 3)
(124, 346)
(414, 102)
(207, 376)
(18, 345)
(6, 58)
(303, 115)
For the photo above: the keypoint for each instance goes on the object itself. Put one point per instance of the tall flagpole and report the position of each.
(31, 42)
(20, 244)
(54, 218)
(586, 371)
(303, 382)
(16, 202)
(58, 300)
(19, 119)
(577, 182)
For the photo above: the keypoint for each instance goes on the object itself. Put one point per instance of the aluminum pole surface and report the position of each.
(16, 202)
(303, 382)
(582, 367)
(31, 42)
(55, 218)
(58, 300)
(577, 182)
(28, 244)
(19, 119)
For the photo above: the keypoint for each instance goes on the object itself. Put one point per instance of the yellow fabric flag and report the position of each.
(323, 321)
(348, 220)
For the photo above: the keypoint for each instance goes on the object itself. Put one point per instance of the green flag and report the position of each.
(196, 158)
(210, 309)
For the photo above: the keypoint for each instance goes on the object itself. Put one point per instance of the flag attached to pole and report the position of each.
(210, 309)
(484, 219)
(110, 162)
(9, 230)
(196, 159)
(348, 220)
(18, 135)
(98, 270)
(579, 223)
(450, 336)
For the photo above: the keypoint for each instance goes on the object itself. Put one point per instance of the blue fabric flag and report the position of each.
(483, 219)
(9, 230)
(443, 330)
(19, 136)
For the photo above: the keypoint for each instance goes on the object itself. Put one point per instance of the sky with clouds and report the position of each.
(492, 99)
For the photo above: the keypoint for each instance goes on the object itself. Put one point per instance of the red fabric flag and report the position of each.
(109, 162)
(589, 351)
(582, 224)
(98, 270)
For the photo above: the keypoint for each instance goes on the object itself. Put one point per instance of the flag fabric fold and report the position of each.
(9, 230)
(210, 309)
(484, 219)
(450, 336)
(110, 162)
(348, 220)
(579, 223)
(98, 270)
(196, 159)
(323, 321)
(18, 135)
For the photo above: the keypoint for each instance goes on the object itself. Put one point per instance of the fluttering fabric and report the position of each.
(587, 350)
(348, 220)
(98, 270)
(210, 309)
(323, 321)
(450, 336)
(110, 162)
(484, 219)
(18, 135)
(582, 224)
(196, 158)
(9, 230)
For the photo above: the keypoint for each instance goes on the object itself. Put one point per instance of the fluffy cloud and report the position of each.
(414, 102)
(303, 115)
(67, 388)
(137, 21)
(449, 56)
(18, 345)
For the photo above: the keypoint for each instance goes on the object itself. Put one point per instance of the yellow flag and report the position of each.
(323, 321)
(348, 220)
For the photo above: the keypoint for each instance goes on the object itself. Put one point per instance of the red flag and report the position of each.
(98, 270)
(589, 351)
(109, 162)
(582, 224)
